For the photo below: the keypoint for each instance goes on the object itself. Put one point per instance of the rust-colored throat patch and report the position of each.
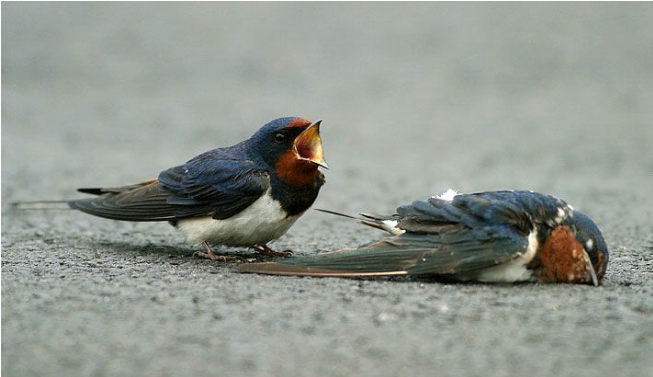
(563, 259)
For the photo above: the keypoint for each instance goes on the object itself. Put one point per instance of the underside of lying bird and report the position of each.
(492, 237)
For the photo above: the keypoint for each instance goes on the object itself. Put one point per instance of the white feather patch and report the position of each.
(390, 226)
(514, 270)
(447, 195)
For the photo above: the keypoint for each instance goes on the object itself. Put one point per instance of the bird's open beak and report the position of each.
(308, 145)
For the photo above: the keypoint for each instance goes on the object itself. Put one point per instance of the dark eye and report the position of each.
(279, 137)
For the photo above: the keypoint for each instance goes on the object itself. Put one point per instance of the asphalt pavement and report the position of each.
(415, 98)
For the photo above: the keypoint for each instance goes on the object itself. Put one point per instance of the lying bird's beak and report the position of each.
(308, 145)
(590, 269)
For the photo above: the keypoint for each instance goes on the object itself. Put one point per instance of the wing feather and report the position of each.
(214, 184)
(456, 250)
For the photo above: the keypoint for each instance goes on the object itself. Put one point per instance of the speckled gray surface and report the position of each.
(415, 98)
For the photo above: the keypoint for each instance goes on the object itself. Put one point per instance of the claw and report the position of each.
(266, 250)
(209, 254)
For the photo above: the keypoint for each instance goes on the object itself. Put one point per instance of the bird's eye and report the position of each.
(279, 137)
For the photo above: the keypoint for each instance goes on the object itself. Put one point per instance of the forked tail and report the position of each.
(385, 223)
(27, 205)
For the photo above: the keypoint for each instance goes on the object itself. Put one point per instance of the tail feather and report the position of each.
(337, 213)
(28, 205)
(140, 202)
(374, 221)
(144, 201)
(115, 190)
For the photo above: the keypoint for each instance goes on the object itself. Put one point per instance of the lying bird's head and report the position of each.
(574, 251)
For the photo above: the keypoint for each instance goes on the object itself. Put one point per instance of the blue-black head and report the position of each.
(294, 139)
(589, 235)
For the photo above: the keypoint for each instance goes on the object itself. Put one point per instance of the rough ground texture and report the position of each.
(416, 98)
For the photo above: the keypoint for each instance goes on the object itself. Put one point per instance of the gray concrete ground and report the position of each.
(415, 98)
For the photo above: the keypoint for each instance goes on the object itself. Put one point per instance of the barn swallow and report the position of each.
(492, 237)
(245, 195)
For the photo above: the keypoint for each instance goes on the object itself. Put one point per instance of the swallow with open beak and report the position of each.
(492, 237)
(245, 195)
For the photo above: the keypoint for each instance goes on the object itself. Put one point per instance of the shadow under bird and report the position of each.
(245, 195)
(492, 237)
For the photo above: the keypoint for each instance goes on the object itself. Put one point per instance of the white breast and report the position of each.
(263, 221)
(514, 270)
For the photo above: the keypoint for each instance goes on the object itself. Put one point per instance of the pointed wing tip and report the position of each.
(90, 190)
(257, 268)
(272, 268)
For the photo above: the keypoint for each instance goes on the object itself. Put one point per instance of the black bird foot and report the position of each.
(209, 254)
(266, 250)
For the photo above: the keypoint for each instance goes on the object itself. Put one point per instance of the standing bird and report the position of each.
(245, 195)
(493, 237)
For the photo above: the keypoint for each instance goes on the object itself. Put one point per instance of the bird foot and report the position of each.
(266, 250)
(209, 254)
(217, 258)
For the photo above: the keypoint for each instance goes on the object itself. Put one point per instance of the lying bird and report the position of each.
(492, 237)
(245, 195)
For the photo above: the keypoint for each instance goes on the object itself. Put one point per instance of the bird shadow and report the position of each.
(159, 251)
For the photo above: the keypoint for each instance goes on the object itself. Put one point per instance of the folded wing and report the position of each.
(447, 250)
(212, 184)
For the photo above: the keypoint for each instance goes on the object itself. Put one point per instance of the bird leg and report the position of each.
(209, 254)
(266, 250)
